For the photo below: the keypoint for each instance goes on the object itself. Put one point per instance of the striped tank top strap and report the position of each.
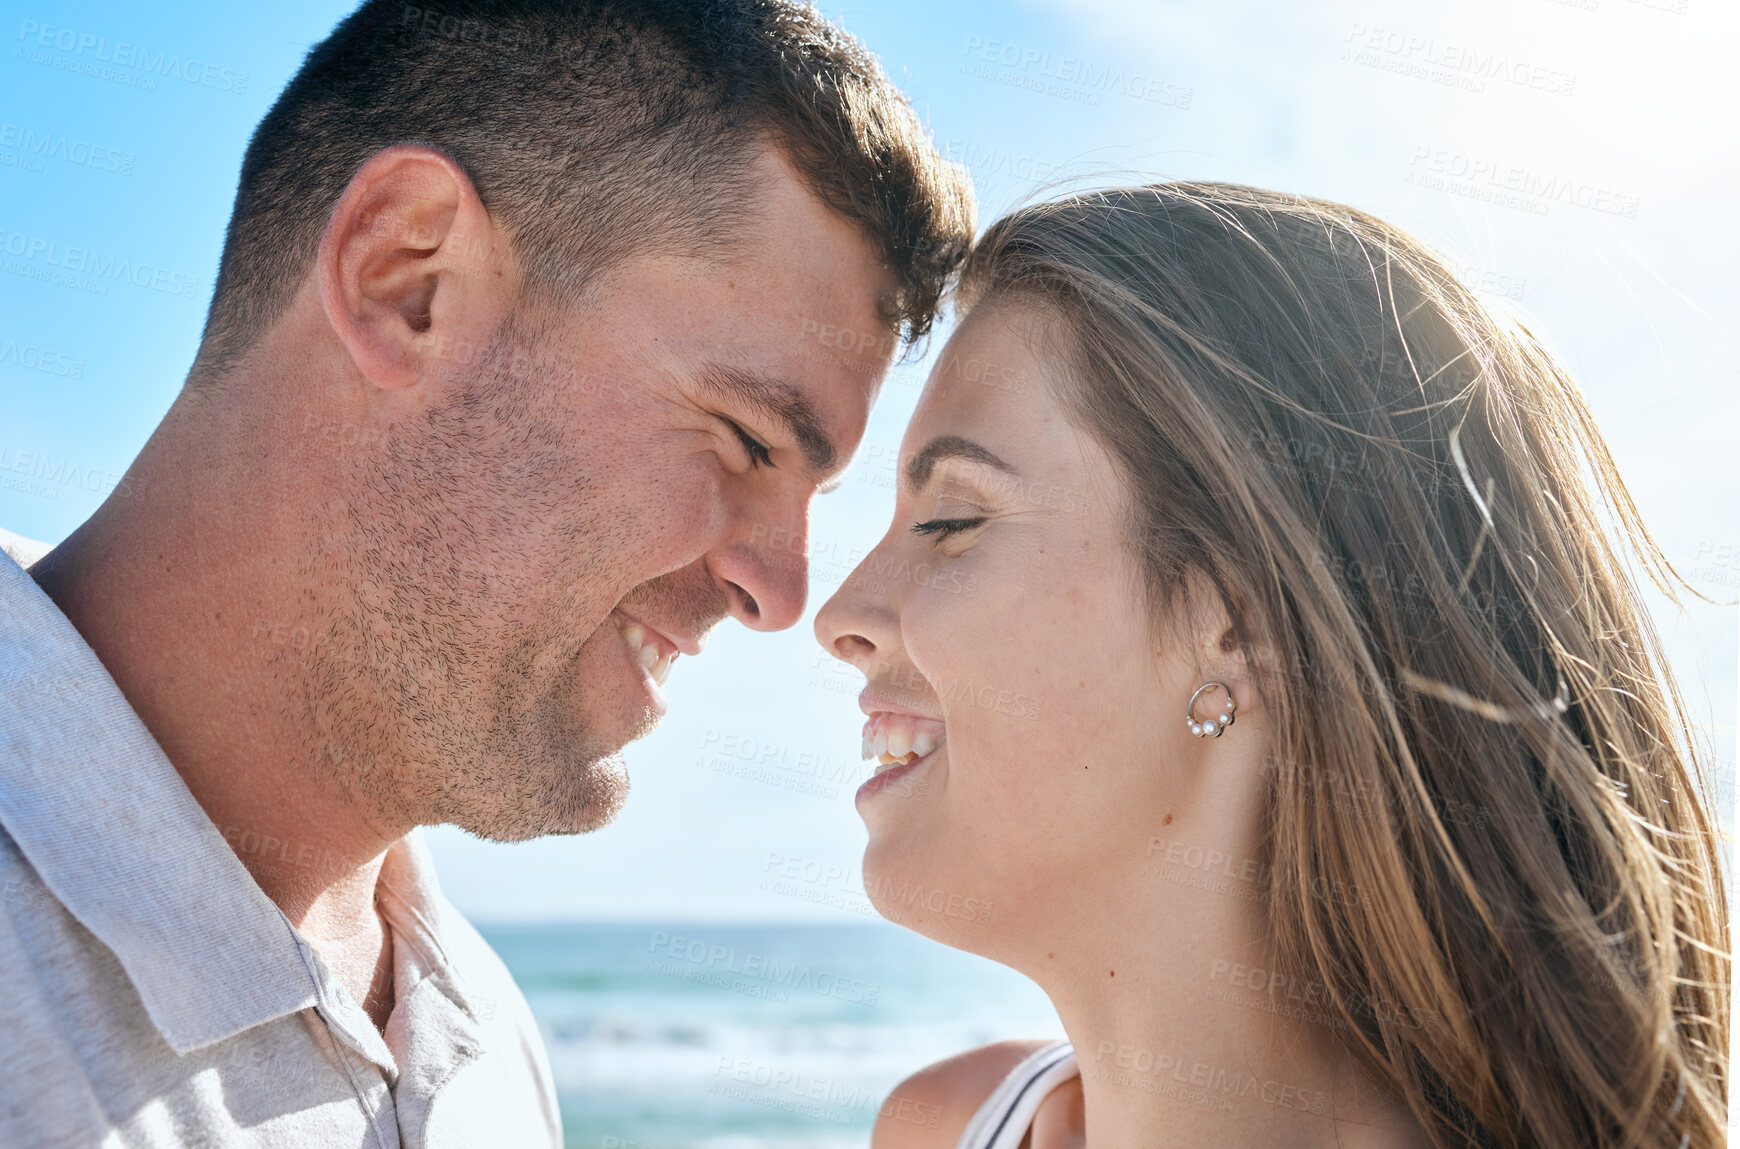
(1003, 1120)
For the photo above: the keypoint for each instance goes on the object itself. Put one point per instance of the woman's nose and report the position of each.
(857, 621)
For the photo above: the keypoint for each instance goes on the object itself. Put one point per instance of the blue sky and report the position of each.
(1614, 120)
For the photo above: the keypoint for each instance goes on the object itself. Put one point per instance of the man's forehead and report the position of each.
(791, 231)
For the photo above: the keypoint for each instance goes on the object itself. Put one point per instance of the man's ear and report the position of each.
(411, 269)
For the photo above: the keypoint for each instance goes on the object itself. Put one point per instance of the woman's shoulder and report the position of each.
(930, 1109)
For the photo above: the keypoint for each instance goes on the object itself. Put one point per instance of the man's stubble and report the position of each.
(445, 687)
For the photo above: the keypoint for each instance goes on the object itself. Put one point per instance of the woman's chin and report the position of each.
(896, 806)
(909, 875)
(940, 902)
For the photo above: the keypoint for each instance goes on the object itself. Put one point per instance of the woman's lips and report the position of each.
(899, 739)
(892, 774)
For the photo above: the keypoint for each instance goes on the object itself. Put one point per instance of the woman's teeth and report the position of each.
(645, 649)
(893, 739)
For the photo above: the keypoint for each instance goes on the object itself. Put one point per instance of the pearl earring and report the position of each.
(1211, 727)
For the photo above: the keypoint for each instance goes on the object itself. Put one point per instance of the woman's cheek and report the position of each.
(955, 639)
(994, 694)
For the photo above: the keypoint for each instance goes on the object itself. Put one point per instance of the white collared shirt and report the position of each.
(152, 995)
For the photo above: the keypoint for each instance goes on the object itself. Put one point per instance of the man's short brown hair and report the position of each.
(591, 129)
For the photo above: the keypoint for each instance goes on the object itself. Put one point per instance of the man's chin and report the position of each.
(553, 767)
(578, 800)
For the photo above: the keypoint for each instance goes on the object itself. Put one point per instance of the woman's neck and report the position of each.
(1189, 1037)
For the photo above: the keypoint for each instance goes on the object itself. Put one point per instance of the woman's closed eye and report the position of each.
(944, 528)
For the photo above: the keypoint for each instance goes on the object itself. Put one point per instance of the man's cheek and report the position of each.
(690, 507)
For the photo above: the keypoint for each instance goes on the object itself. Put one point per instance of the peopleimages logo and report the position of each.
(699, 955)
(35, 357)
(48, 145)
(1511, 185)
(51, 471)
(1071, 78)
(85, 261)
(135, 65)
(1424, 57)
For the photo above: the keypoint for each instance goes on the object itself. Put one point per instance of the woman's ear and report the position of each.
(1227, 641)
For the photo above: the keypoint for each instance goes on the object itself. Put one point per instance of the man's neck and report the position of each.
(181, 587)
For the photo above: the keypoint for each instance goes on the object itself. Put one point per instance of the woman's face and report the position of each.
(1002, 629)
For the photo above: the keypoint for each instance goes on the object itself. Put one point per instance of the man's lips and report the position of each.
(671, 638)
(654, 650)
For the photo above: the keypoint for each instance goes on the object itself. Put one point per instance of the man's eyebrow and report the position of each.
(777, 400)
(948, 447)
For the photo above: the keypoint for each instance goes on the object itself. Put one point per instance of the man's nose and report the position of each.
(765, 574)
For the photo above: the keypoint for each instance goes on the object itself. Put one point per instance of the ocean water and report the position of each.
(707, 1036)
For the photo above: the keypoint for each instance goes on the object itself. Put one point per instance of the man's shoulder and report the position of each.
(58, 975)
(20, 888)
(39, 939)
(21, 550)
(54, 691)
(54, 1025)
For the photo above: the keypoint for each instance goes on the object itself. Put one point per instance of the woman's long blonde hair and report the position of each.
(1408, 511)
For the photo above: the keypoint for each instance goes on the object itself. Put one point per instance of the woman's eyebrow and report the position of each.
(949, 447)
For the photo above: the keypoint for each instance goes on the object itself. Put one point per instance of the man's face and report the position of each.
(555, 523)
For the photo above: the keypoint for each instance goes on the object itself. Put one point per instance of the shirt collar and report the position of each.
(437, 1019)
(113, 832)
